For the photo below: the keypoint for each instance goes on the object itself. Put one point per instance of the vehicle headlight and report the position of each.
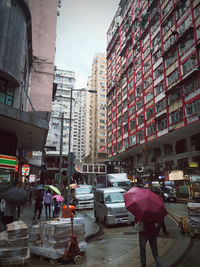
(109, 210)
(165, 194)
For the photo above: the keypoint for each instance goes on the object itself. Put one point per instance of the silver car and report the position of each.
(109, 206)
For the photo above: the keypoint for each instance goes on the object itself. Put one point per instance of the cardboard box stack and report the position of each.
(194, 217)
(14, 249)
(50, 238)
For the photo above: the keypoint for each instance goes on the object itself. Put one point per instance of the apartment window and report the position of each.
(147, 65)
(131, 110)
(186, 43)
(173, 77)
(161, 123)
(175, 95)
(195, 141)
(139, 104)
(132, 139)
(146, 52)
(149, 113)
(197, 11)
(160, 105)
(156, 55)
(119, 145)
(140, 119)
(6, 92)
(159, 88)
(119, 132)
(138, 76)
(176, 116)
(182, 8)
(147, 81)
(140, 135)
(166, 9)
(125, 128)
(150, 129)
(184, 25)
(139, 91)
(125, 103)
(102, 140)
(168, 24)
(191, 86)
(102, 121)
(102, 114)
(192, 108)
(189, 64)
(130, 85)
(132, 124)
(169, 42)
(131, 96)
(148, 97)
(171, 57)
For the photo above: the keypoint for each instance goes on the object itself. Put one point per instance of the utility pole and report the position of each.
(61, 151)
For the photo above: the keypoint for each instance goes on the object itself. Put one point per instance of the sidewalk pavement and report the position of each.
(171, 248)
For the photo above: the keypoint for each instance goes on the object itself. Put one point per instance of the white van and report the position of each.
(85, 197)
(109, 206)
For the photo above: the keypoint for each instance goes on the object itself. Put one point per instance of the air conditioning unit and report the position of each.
(170, 128)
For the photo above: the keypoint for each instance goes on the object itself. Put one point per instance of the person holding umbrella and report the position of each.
(47, 203)
(149, 233)
(148, 209)
(38, 204)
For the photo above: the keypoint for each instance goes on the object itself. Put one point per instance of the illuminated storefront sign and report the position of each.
(8, 162)
(25, 170)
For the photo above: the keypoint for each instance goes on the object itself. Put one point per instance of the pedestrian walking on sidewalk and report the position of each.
(47, 203)
(163, 226)
(148, 232)
(38, 205)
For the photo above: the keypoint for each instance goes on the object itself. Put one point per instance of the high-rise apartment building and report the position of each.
(153, 87)
(79, 125)
(65, 82)
(97, 128)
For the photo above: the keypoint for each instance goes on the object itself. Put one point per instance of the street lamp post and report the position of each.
(69, 146)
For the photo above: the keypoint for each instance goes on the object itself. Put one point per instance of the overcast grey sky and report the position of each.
(81, 32)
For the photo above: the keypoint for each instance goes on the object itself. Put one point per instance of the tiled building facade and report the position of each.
(153, 86)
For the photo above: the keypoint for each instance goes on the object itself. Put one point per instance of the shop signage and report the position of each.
(32, 178)
(193, 164)
(8, 162)
(102, 148)
(176, 175)
(195, 179)
(25, 170)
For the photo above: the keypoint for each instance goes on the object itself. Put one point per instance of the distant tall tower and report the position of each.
(97, 127)
(65, 82)
(78, 125)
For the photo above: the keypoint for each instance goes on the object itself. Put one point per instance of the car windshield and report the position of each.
(115, 197)
(83, 190)
(119, 184)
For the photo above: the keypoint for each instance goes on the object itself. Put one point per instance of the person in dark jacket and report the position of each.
(148, 232)
(38, 204)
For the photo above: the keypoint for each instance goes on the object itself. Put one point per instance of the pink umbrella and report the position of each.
(145, 205)
(58, 198)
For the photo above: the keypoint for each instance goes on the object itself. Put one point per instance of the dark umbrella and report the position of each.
(16, 195)
(145, 205)
(37, 187)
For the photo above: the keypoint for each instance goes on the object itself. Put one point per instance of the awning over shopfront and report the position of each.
(30, 128)
(8, 162)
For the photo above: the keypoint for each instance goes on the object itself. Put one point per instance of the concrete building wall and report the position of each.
(98, 109)
(44, 21)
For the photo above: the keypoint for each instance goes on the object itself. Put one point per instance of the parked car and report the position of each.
(109, 206)
(167, 194)
(84, 196)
